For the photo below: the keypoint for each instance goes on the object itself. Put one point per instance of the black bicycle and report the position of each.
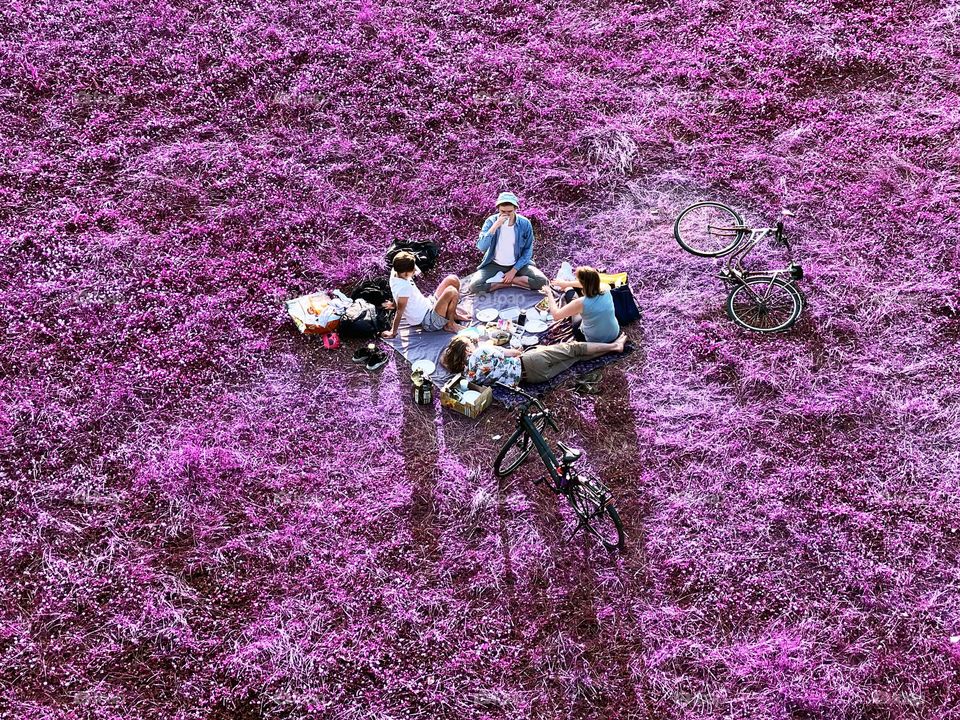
(589, 498)
(766, 301)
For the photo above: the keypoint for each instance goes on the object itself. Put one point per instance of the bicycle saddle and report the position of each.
(570, 455)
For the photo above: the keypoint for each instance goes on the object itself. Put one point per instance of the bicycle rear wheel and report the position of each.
(592, 504)
(708, 229)
(764, 304)
(516, 449)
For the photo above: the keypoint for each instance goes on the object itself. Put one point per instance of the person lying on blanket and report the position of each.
(593, 316)
(437, 312)
(506, 240)
(486, 364)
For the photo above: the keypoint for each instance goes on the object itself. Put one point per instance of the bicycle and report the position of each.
(589, 498)
(765, 301)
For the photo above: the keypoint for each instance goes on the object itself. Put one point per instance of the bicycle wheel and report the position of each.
(708, 229)
(764, 304)
(591, 503)
(516, 449)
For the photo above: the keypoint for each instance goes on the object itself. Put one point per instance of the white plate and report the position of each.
(510, 313)
(529, 340)
(487, 315)
(471, 332)
(535, 326)
(469, 397)
(427, 366)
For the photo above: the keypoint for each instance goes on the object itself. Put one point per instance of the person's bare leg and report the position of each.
(446, 306)
(445, 299)
(451, 281)
(595, 349)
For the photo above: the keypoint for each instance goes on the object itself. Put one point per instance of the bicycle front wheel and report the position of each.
(764, 304)
(592, 504)
(709, 229)
(512, 454)
(517, 447)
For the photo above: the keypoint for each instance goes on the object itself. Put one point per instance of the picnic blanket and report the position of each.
(415, 344)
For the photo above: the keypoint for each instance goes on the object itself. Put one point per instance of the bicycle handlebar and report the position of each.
(518, 391)
(531, 400)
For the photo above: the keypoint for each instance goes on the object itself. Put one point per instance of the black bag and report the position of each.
(376, 291)
(360, 321)
(624, 306)
(426, 251)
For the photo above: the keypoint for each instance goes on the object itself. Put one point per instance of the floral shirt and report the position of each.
(488, 365)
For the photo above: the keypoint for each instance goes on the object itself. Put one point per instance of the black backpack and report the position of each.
(362, 321)
(426, 251)
(376, 291)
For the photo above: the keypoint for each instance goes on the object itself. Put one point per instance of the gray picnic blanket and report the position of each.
(415, 344)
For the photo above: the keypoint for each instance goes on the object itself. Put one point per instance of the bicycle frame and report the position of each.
(733, 270)
(734, 262)
(557, 470)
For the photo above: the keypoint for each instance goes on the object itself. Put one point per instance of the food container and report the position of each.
(496, 335)
(450, 396)
(422, 389)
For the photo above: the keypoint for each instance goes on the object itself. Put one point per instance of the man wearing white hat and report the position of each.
(507, 243)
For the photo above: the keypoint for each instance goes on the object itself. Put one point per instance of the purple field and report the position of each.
(204, 514)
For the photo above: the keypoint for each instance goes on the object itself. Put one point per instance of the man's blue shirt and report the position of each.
(522, 246)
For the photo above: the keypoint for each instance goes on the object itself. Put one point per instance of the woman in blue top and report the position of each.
(594, 319)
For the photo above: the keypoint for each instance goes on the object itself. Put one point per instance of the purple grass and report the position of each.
(204, 514)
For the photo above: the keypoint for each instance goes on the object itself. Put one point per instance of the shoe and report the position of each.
(496, 278)
(377, 360)
(589, 384)
(362, 354)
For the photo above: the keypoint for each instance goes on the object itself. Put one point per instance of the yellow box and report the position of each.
(449, 398)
